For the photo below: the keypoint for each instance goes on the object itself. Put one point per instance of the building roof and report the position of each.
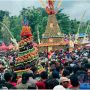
(82, 35)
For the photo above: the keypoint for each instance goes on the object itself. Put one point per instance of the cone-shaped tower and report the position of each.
(52, 38)
(27, 52)
(52, 28)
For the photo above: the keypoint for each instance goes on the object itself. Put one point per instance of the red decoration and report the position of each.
(51, 3)
(26, 31)
(4, 47)
(50, 7)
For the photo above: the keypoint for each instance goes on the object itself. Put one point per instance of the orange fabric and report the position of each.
(26, 31)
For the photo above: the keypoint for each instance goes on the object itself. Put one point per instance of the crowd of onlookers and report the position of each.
(63, 71)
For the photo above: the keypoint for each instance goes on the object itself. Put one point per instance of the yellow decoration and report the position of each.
(71, 43)
(51, 25)
(50, 40)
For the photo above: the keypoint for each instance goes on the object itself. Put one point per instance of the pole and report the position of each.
(12, 37)
(84, 39)
(59, 4)
(42, 3)
(76, 36)
(87, 28)
(38, 35)
(7, 29)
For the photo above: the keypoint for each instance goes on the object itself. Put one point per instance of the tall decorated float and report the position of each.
(28, 53)
(52, 38)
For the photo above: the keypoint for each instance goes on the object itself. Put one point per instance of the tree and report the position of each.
(36, 17)
(64, 22)
(5, 29)
(2, 14)
(16, 26)
(74, 26)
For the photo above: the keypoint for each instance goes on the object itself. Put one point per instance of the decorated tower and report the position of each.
(28, 53)
(52, 38)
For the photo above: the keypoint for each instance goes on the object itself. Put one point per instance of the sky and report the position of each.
(73, 8)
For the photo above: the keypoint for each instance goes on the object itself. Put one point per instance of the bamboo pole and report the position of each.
(76, 36)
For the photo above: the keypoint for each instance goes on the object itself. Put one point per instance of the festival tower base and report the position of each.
(52, 39)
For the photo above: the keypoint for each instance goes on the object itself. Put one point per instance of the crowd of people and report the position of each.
(63, 71)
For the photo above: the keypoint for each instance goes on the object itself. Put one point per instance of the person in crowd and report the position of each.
(55, 75)
(63, 71)
(59, 87)
(31, 77)
(53, 80)
(14, 79)
(65, 82)
(41, 84)
(66, 73)
(24, 84)
(86, 83)
(69, 68)
(88, 72)
(51, 83)
(7, 82)
(2, 68)
(74, 82)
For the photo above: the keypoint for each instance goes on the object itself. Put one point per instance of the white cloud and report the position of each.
(14, 6)
(77, 9)
(74, 8)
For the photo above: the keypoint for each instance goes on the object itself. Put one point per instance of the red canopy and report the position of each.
(3, 47)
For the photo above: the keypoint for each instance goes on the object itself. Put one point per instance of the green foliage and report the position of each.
(38, 18)
(74, 26)
(2, 14)
(5, 29)
(16, 26)
(64, 22)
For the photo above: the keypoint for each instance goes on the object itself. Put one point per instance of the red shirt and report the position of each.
(13, 83)
(41, 85)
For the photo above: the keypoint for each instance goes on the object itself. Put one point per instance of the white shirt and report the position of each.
(59, 87)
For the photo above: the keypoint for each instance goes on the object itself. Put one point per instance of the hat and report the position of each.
(63, 79)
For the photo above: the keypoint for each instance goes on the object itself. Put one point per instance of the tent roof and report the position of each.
(3, 47)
